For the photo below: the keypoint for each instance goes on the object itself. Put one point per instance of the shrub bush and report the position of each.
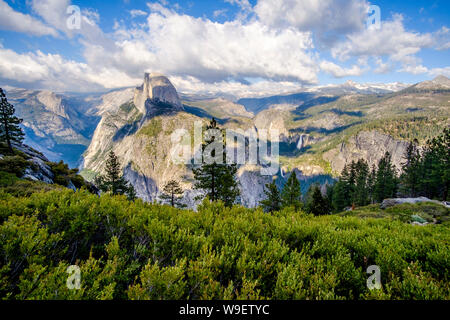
(136, 250)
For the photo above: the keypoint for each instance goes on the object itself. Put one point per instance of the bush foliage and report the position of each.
(135, 250)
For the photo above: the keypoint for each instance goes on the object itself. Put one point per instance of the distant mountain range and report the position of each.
(321, 128)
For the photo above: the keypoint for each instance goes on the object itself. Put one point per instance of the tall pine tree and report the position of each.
(10, 131)
(113, 181)
(386, 182)
(435, 173)
(360, 195)
(411, 171)
(273, 201)
(316, 203)
(216, 178)
(172, 193)
(291, 194)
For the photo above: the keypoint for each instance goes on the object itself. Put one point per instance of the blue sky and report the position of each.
(241, 47)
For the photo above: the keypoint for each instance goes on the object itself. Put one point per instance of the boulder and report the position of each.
(395, 201)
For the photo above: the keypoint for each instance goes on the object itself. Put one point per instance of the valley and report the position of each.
(321, 129)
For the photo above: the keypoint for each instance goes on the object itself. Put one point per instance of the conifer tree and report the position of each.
(435, 176)
(113, 181)
(386, 183)
(411, 171)
(173, 193)
(10, 131)
(216, 178)
(344, 188)
(340, 196)
(316, 203)
(371, 184)
(360, 194)
(291, 194)
(273, 201)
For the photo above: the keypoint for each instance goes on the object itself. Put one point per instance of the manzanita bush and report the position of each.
(136, 250)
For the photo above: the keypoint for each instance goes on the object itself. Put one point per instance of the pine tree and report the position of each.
(273, 201)
(340, 196)
(10, 131)
(172, 193)
(316, 203)
(216, 179)
(344, 188)
(386, 183)
(371, 184)
(360, 194)
(435, 169)
(291, 194)
(411, 171)
(112, 181)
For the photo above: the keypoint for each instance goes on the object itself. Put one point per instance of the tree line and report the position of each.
(424, 172)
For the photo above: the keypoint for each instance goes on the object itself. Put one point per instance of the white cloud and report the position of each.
(192, 85)
(52, 11)
(181, 45)
(137, 13)
(198, 54)
(414, 69)
(17, 21)
(440, 71)
(51, 71)
(391, 40)
(382, 67)
(322, 16)
(218, 13)
(340, 72)
(442, 38)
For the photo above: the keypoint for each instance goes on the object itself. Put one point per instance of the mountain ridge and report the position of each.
(313, 126)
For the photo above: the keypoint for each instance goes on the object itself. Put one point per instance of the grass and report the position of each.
(431, 212)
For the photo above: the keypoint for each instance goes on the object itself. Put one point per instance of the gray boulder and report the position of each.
(393, 202)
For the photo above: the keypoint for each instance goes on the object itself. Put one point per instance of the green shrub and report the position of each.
(14, 164)
(136, 250)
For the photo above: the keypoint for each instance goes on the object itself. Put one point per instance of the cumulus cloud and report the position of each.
(17, 21)
(340, 72)
(325, 17)
(440, 71)
(51, 71)
(275, 45)
(137, 13)
(52, 11)
(180, 45)
(442, 38)
(390, 40)
(192, 85)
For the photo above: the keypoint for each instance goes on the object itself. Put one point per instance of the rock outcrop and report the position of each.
(39, 171)
(395, 201)
(156, 87)
(368, 145)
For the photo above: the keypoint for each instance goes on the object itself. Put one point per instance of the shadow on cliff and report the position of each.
(299, 112)
(139, 180)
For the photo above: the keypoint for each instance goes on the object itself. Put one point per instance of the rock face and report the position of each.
(369, 145)
(53, 123)
(139, 131)
(393, 202)
(440, 82)
(155, 87)
(41, 171)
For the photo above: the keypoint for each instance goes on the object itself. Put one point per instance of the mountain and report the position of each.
(256, 105)
(156, 87)
(55, 124)
(438, 83)
(321, 129)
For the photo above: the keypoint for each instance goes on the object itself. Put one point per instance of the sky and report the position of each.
(239, 47)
